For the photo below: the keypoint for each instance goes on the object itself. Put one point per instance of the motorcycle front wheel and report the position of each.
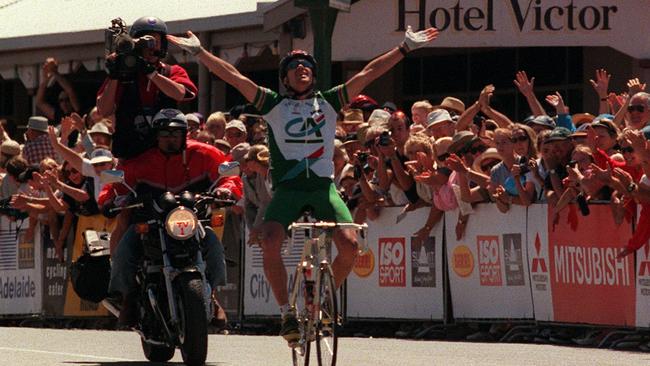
(157, 353)
(193, 325)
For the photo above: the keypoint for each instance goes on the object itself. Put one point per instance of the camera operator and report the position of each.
(134, 96)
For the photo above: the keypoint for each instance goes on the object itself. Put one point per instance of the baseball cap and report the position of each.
(99, 156)
(558, 134)
(235, 123)
(438, 116)
(239, 151)
(460, 140)
(544, 121)
(379, 117)
(192, 118)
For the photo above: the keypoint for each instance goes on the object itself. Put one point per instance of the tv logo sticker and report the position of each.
(489, 260)
(392, 266)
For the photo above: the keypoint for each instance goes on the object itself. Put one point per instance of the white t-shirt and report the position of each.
(87, 170)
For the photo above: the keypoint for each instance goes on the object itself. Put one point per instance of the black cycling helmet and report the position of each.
(296, 54)
(169, 118)
(146, 25)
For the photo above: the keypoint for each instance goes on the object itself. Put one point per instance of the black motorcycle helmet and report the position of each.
(147, 25)
(293, 55)
(170, 118)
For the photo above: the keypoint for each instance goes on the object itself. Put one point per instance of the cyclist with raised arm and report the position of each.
(301, 142)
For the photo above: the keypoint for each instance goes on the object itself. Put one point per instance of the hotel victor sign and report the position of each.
(527, 15)
(372, 26)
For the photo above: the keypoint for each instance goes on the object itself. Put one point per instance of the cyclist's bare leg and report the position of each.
(272, 236)
(346, 245)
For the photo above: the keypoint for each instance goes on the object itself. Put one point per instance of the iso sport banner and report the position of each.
(488, 267)
(20, 269)
(576, 277)
(398, 277)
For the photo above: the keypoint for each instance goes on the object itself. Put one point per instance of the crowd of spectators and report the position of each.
(451, 155)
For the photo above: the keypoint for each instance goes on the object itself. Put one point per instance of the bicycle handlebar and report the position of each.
(324, 225)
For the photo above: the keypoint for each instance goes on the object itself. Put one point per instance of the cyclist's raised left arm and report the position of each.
(385, 62)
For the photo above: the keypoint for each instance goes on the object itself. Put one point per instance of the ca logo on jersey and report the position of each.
(307, 129)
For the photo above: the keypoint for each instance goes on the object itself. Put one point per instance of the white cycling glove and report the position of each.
(191, 44)
(413, 40)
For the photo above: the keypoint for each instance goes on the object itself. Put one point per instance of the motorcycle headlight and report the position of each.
(181, 223)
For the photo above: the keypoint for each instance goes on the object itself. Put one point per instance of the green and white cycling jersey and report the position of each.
(301, 136)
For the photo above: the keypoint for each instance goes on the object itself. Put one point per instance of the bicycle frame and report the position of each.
(312, 269)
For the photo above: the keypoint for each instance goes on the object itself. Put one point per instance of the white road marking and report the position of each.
(79, 355)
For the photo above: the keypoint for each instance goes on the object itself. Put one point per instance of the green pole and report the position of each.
(323, 18)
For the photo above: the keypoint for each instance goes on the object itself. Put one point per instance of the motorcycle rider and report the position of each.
(175, 165)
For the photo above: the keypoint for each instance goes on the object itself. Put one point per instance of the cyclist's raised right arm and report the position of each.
(217, 66)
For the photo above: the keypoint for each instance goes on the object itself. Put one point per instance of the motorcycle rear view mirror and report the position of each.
(115, 176)
(229, 169)
(226, 169)
(111, 176)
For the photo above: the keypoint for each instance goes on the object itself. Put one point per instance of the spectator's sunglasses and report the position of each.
(71, 171)
(173, 133)
(521, 138)
(299, 61)
(638, 107)
(473, 150)
(64, 99)
(627, 149)
(443, 157)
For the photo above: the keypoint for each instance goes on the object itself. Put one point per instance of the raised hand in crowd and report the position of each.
(526, 88)
(484, 101)
(67, 100)
(601, 86)
(556, 101)
(635, 86)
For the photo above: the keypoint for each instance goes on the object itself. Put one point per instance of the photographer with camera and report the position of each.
(138, 83)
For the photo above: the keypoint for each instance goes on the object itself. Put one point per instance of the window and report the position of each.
(464, 72)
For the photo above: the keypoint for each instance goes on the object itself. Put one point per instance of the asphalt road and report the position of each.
(31, 346)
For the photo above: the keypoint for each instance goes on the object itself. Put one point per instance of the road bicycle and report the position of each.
(313, 291)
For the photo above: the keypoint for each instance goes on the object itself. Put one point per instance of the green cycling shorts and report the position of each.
(288, 204)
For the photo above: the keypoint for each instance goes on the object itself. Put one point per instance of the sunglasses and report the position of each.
(627, 149)
(64, 100)
(474, 150)
(173, 133)
(443, 157)
(639, 108)
(520, 138)
(294, 64)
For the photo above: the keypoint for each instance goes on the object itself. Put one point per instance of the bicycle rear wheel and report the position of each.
(300, 350)
(327, 322)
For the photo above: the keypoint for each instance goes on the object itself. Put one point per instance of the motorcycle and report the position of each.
(174, 303)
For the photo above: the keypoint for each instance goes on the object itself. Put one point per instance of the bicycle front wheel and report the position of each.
(327, 322)
(300, 349)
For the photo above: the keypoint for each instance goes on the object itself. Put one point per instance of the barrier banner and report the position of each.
(258, 297)
(228, 228)
(55, 274)
(398, 277)
(643, 286)
(587, 283)
(21, 283)
(488, 267)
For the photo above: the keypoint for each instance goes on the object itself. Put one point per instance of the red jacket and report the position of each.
(168, 173)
